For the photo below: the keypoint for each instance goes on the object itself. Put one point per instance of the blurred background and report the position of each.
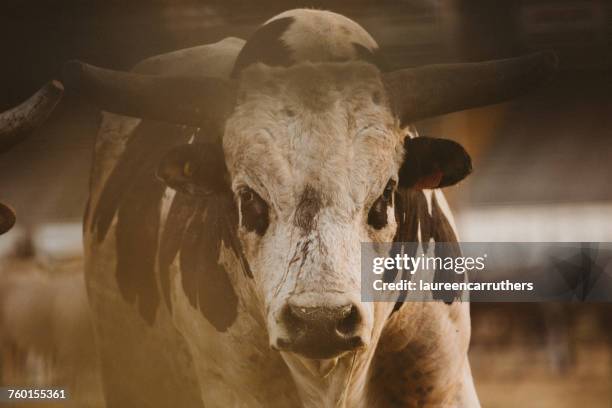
(543, 169)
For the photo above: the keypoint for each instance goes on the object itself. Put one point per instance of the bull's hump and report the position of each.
(308, 35)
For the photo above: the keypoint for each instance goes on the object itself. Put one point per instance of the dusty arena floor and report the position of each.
(515, 366)
(516, 378)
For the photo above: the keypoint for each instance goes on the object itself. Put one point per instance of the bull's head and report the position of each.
(312, 155)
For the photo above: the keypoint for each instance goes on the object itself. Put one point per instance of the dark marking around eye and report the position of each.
(377, 216)
(254, 211)
(307, 209)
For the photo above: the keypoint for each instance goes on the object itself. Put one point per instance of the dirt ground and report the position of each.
(532, 368)
(519, 378)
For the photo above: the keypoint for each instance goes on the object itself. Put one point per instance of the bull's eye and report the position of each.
(377, 216)
(254, 211)
(388, 192)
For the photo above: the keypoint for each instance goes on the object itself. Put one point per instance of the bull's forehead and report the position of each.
(325, 126)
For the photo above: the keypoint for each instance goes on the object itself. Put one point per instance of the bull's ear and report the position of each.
(433, 163)
(197, 169)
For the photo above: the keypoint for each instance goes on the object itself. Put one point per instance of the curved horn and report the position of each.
(432, 90)
(17, 122)
(182, 100)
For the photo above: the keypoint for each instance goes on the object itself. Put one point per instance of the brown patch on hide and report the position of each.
(442, 229)
(205, 281)
(409, 378)
(412, 213)
(137, 228)
(181, 211)
(266, 46)
(308, 209)
(133, 194)
(146, 146)
(197, 227)
(443, 232)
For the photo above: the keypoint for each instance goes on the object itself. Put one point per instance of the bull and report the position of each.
(231, 187)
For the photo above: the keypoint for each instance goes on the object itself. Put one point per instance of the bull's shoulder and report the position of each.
(421, 356)
(215, 60)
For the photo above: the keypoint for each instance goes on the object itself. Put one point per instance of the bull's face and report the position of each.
(313, 155)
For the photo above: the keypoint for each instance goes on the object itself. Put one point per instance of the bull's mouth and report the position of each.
(320, 348)
(319, 368)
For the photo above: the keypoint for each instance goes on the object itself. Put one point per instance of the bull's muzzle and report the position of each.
(321, 331)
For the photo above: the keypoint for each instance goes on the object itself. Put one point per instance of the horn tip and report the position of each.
(57, 85)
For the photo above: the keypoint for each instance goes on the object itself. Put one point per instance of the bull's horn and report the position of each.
(17, 122)
(7, 218)
(182, 100)
(421, 92)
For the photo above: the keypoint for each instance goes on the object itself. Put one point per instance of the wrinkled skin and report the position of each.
(297, 119)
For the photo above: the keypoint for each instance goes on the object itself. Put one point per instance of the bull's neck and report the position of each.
(330, 383)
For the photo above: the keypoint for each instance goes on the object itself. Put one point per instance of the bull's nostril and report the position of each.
(348, 325)
(355, 342)
(321, 332)
(292, 318)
